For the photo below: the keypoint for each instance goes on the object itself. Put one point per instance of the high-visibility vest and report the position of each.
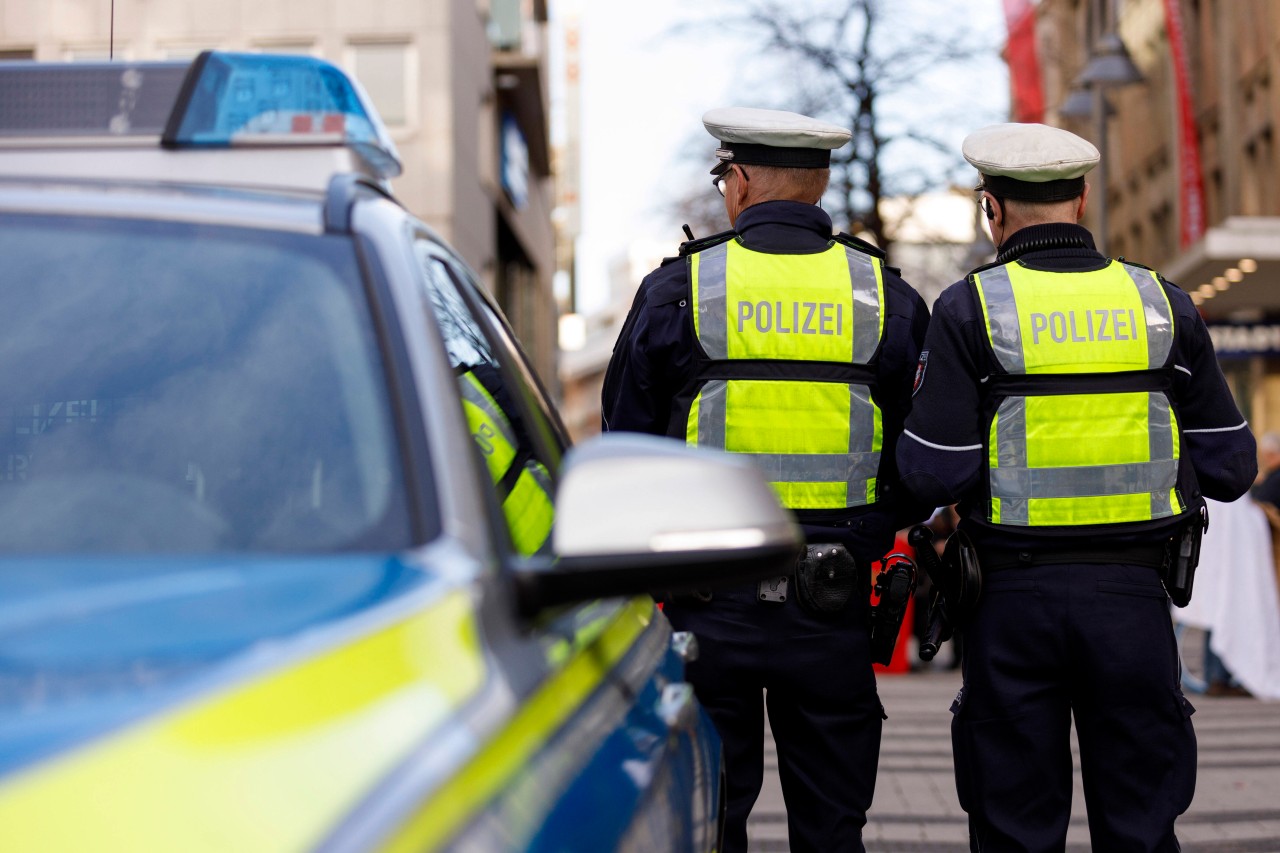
(523, 485)
(1083, 430)
(784, 375)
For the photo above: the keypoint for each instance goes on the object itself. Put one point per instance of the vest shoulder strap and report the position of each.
(973, 273)
(867, 249)
(1122, 259)
(860, 245)
(692, 247)
(1054, 384)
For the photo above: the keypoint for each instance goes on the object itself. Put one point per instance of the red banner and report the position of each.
(1191, 212)
(1024, 61)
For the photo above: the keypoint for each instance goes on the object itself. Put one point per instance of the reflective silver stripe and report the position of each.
(1002, 319)
(862, 437)
(862, 420)
(1160, 438)
(1011, 433)
(855, 469)
(478, 398)
(1159, 426)
(1084, 480)
(1015, 511)
(713, 323)
(541, 477)
(711, 414)
(866, 306)
(1011, 454)
(1159, 317)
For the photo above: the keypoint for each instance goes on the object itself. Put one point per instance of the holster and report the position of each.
(1179, 572)
(826, 578)
(895, 585)
(957, 585)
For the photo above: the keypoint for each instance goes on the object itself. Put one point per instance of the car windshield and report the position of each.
(189, 388)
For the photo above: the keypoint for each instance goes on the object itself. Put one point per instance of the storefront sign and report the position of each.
(1239, 341)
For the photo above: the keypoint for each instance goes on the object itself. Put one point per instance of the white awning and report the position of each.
(1235, 269)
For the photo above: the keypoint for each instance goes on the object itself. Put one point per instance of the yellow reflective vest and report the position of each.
(1082, 430)
(523, 485)
(784, 375)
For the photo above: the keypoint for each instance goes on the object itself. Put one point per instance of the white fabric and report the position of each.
(1029, 152)
(1235, 596)
(778, 128)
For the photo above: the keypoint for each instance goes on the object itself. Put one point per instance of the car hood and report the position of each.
(89, 645)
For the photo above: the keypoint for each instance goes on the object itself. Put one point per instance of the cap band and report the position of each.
(753, 154)
(1059, 190)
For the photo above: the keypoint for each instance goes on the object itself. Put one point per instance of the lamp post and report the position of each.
(1109, 66)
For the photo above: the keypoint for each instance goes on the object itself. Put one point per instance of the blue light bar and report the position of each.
(232, 99)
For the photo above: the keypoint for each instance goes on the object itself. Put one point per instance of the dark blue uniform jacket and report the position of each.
(942, 452)
(654, 358)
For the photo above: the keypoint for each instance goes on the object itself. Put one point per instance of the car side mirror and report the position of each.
(639, 514)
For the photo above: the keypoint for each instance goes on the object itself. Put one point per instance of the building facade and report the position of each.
(461, 84)
(1190, 182)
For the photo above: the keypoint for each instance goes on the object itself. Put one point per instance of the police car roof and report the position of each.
(226, 119)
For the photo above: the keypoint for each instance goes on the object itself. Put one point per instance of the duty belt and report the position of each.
(996, 559)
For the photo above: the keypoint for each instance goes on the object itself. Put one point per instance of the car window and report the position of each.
(544, 421)
(190, 388)
(517, 466)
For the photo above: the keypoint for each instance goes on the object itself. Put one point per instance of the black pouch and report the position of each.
(825, 578)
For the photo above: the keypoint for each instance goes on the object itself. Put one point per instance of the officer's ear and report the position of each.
(991, 209)
(1084, 198)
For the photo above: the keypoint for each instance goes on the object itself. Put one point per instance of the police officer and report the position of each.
(522, 482)
(794, 347)
(1074, 408)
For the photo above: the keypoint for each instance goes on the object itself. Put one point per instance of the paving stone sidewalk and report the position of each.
(1236, 809)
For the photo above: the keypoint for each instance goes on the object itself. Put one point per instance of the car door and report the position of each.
(614, 752)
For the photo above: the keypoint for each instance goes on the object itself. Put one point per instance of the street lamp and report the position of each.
(1109, 66)
(1078, 104)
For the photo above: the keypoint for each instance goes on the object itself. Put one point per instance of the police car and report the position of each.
(293, 554)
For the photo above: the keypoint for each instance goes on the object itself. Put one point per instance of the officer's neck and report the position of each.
(1045, 236)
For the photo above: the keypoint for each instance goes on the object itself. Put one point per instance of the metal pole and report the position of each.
(1099, 193)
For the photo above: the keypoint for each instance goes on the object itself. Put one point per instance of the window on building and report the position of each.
(17, 53)
(505, 24)
(385, 69)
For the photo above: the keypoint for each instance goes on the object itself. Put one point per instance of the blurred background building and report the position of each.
(1181, 96)
(461, 84)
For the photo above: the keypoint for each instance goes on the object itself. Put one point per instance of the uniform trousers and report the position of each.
(1050, 642)
(813, 675)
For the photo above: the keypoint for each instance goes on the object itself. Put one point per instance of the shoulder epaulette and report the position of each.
(861, 245)
(1122, 259)
(689, 247)
(988, 266)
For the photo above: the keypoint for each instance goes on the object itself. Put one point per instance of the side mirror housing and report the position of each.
(638, 514)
